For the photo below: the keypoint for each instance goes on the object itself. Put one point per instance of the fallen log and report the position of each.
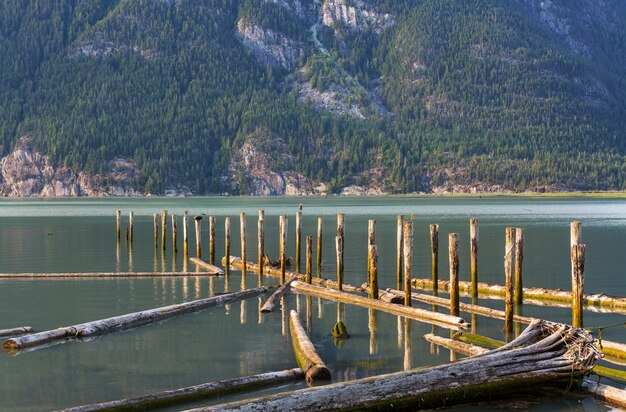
(454, 345)
(21, 331)
(385, 295)
(545, 354)
(100, 275)
(614, 303)
(607, 393)
(214, 270)
(439, 319)
(314, 367)
(131, 320)
(194, 393)
(275, 298)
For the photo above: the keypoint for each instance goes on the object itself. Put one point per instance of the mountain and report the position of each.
(268, 97)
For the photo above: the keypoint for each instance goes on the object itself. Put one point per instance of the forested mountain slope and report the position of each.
(304, 96)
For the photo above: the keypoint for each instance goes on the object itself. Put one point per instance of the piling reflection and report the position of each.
(309, 317)
(283, 314)
(407, 344)
(400, 333)
(373, 332)
(320, 310)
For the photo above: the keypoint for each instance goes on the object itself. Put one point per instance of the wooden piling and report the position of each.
(474, 256)
(309, 258)
(298, 237)
(320, 224)
(575, 239)
(197, 220)
(283, 244)
(453, 259)
(371, 229)
(155, 221)
(509, 262)
(399, 220)
(174, 234)
(118, 224)
(227, 244)
(212, 240)
(339, 252)
(130, 226)
(519, 257)
(242, 233)
(340, 233)
(261, 241)
(434, 257)
(186, 233)
(163, 227)
(373, 271)
(407, 234)
(578, 280)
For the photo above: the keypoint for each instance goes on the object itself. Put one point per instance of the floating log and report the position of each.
(434, 257)
(545, 354)
(385, 296)
(407, 235)
(456, 346)
(207, 266)
(194, 393)
(449, 322)
(399, 252)
(320, 224)
(453, 258)
(271, 302)
(609, 394)
(121, 322)
(615, 304)
(578, 280)
(212, 240)
(314, 367)
(21, 331)
(99, 275)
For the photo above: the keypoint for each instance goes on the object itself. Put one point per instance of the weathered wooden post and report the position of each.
(261, 240)
(575, 238)
(434, 257)
(130, 226)
(519, 257)
(340, 233)
(155, 221)
(185, 234)
(197, 220)
(373, 271)
(509, 262)
(309, 258)
(298, 237)
(118, 224)
(320, 223)
(242, 233)
(163, 227)
(453, 258)
(283, 244)
(212, 240)
(227, 244)
(399, 252)
(339, 251)
(474, 256)
(174, 234)
(578, 281)
(407, 234)
(371, 230)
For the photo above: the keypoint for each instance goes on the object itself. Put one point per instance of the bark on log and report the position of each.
(194, 393)
(207, 266)
(607, 393)
(545, 353)
(385, 295)
(440, 319)
(21, 331)
(271, 302)
(314, 367)
(121, 322)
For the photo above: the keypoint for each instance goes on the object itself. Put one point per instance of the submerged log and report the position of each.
(207, 266)
(314, 367)
(545, 354)
(194, 393)
(275, 298)
(21, 331)
(446, 321)
(121, 322)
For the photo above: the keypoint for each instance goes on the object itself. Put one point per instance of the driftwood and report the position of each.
(100, 275)
(271, 302)
(314, 367)
(546, 353)
(214, 270)
(385, 295)
(440, 319)
(531, 295)
(131, 320)
(21, 331)
(607, 393)
(194, 393)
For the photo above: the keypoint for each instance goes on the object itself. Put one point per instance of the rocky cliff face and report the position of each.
(269, 46)
(27, 173)
(306, 10)
(356, 17)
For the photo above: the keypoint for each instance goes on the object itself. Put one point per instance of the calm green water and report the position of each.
(78, 235)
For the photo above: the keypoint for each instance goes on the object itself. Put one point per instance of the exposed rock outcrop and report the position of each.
(269, 46)
(355, 17)
(27, 173)
(306, 10)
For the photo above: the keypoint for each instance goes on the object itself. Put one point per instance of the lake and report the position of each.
(78, 235)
